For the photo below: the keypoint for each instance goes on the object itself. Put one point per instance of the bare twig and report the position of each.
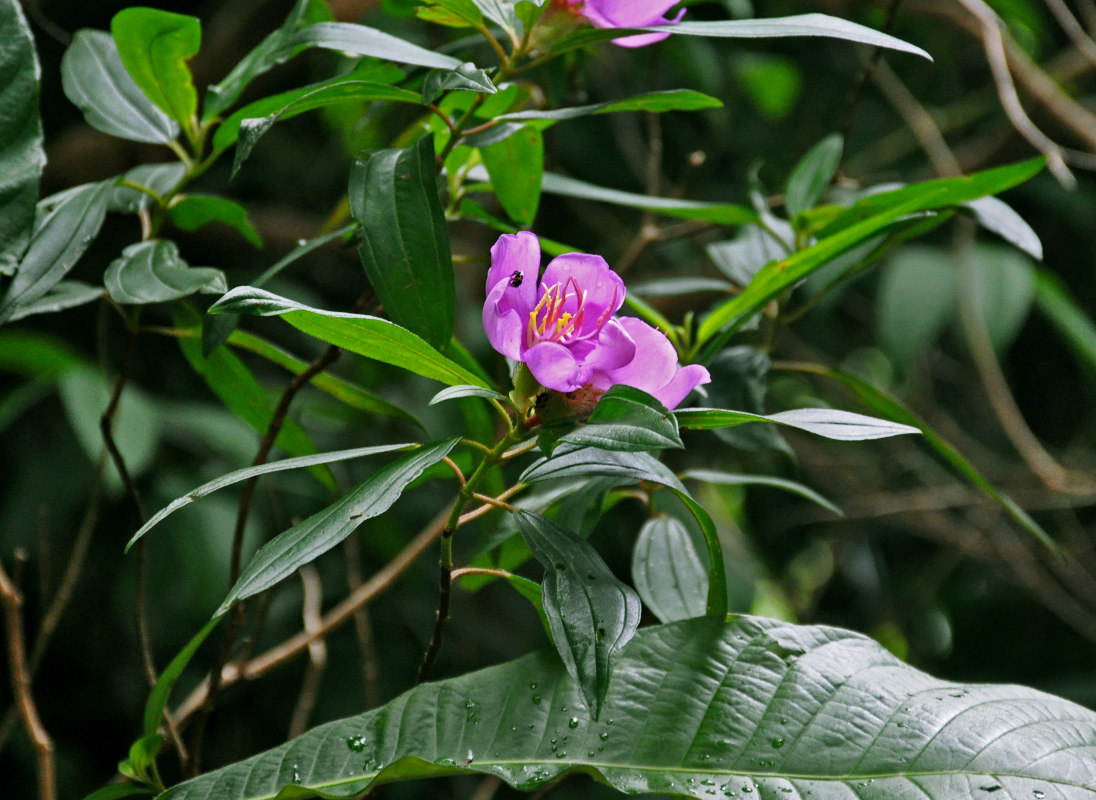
(317, 651)
(1076, 33)
(363, 627)
(918, 119)
(12, 602)
(869, 71)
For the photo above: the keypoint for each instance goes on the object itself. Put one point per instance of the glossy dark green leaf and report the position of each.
(63, 296)
(405, 244)
(749, 707)
(667, 571)
(629, 420)
(193, 211)
(284, 104)
(882, 402)
(275, 49)
(669, 100)
(828, 422)
(242, 394)
(96, 81)
(865, 219)
(719, 213)
(65, 225)
(155, 179)
(591, 614)
(152, 272)
(154, 46)
(360, 40)
(502, 13)
(465, 78)
(158, 697)
(346, 91)
(516, 165)
(457, 392)
(812, 175)
(308, 540)
(240, 475)
(21, 154)
(367, 336)
(454, 13)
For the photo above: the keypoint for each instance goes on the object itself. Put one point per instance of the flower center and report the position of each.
(560, 314)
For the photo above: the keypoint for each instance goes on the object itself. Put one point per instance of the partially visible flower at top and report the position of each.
(626, 14)
(562, 326)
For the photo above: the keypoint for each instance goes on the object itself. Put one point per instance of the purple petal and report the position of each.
(555, 367)
(655, 362)
(515, 258)
(604, 288)
(615, 348)
(627, 13)
(686, 379)
(505, 330)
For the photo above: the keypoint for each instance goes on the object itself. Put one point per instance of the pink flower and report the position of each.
(561, 325)
(627, 14)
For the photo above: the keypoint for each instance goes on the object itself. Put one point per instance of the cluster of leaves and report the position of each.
(704, 703)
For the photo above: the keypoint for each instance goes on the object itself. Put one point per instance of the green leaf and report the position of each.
(881, 402)
(667, 570)
(158, 179)
(1004, 290)
(345, 91)
(21, 154)
(457, 392)
(719, 213)
(275, 49)
(117, 791)
(777, 27)
(247, 473)
(64, 295)
(626, 419)
(1073, 325)
(866, 218)
(405, 246)
(502, 13)
(360, 40)
(239, 390)
(65, 225)
(158, 697)
(367, 336)
(749, 707)
(154, 46)
(591, 614)
(193, 211)
(308, 540)
(831, 423)
(916, 299)
(465, 78)
(733, 479)
(669, 100)
(516, 166)
(674, 287)
(283, 105)
(454, 13)
(152, 272)
(997, 216)
(812, 175)
(96, 82)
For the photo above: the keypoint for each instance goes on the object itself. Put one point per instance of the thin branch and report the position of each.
(363, 628)
(1076, 33)
(869, 71)
(317, 651)
(919, 120)
(12, 602)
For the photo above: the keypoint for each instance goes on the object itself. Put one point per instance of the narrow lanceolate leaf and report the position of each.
(591, 614)
(21, 154)
(627, 419)
(667, 571)
(64, 295)
(457, 392)
(153, 272)
(97, 83)
(247, 473)
(193, 211)
(669, 100)
(367, 336)
(719, 213)
(740, 479)
(465, 78)
(831, 423)
(158, 697)
(812, 175)
(749, 708)
(155, 46)
(64, 226)
(997, 216)
(360, 40)
(866, 218)
(405, 246)
(308, 540)
(516, 165)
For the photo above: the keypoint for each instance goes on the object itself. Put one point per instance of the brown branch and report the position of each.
(363, 628)
(337, 616)
(919, 120)
(12, 602)
(317, 651)
(1076, 33)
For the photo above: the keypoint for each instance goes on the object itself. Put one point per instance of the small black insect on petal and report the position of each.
(516, 277)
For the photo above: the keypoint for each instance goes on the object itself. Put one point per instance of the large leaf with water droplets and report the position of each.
(703, 708)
